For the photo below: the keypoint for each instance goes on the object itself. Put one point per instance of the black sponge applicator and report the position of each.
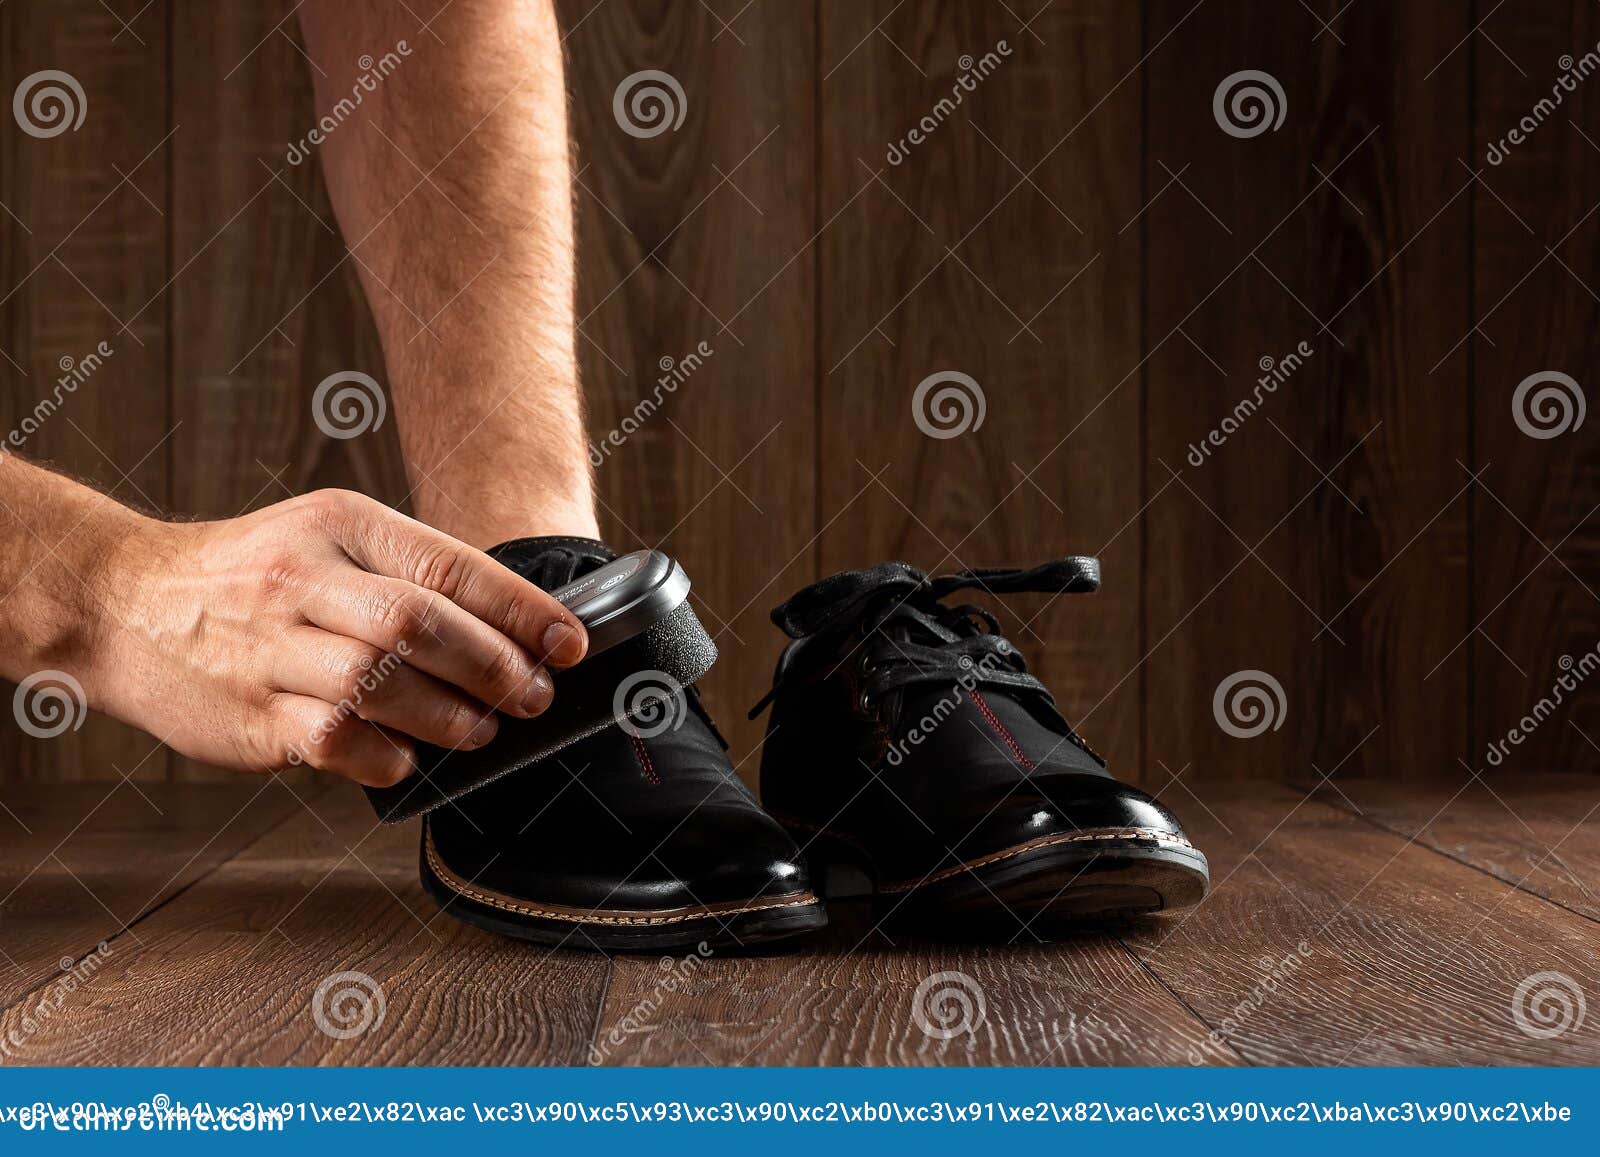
(645, 645)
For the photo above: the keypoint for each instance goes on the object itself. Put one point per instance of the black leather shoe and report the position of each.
(908, 740)
(641, 839)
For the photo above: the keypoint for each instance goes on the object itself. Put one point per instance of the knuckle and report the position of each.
(354, 676)
(441, 568)
(334, 738)
(502, 668)
(265, 744)
(332, 511)
(282, 573)
(296, 740)
(456, 722)
(322, 505)
(406, 616)
(525, 617)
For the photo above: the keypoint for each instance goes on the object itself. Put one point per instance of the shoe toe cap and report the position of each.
(1053, 803)
(728, 854)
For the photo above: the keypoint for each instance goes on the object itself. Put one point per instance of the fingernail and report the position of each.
(482, 733)
(540, 692)
(563, 646)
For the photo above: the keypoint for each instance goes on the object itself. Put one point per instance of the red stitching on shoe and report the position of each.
(645, 765)
(1000, 728)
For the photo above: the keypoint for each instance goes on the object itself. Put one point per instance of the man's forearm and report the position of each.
(453, 189)
(57, 538)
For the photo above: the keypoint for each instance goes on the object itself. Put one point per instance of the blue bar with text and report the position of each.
(799, 1110)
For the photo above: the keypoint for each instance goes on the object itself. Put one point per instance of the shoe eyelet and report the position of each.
(865, 665)
(864, 704)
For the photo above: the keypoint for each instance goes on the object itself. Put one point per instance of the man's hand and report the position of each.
(327, 629)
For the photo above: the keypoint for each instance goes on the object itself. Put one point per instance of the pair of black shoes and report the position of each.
(907, 741)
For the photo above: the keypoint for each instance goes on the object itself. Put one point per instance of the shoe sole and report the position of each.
(1063, 881)
(619, 930)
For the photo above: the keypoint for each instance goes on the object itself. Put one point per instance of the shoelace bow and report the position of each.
(909, 636)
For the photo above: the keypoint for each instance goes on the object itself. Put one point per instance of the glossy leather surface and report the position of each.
(619, 822)
(933, 775)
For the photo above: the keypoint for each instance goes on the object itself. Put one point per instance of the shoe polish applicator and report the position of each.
(645, 644)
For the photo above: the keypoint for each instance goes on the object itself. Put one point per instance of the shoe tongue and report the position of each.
(552, 561)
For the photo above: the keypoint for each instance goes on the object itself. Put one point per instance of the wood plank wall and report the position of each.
(1075, 234)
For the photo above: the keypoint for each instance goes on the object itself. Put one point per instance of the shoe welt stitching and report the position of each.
(1045, 842)
(1005, 853)
(494, 900)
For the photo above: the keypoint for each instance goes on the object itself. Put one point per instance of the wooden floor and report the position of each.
(1369, 924)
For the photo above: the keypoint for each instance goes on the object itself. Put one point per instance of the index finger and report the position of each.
(403, 548)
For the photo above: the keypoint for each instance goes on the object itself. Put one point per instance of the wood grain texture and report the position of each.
(1347, 229)
(80, 863)
(265, 302)
(1540, 833)
(993, 248)
(1076, 232)
(1327, 941)
(1536, 311)
(230, 970)
(702, 234)
(853, 997)
(83, 255)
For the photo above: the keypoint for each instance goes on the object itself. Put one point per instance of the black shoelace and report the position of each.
(908, 636)
(556, 566)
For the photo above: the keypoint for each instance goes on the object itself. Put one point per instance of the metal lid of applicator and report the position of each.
(619, 600)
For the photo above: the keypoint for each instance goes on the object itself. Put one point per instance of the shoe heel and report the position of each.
(839, 870)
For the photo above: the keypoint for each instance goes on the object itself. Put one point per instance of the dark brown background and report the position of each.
(1080, 237)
